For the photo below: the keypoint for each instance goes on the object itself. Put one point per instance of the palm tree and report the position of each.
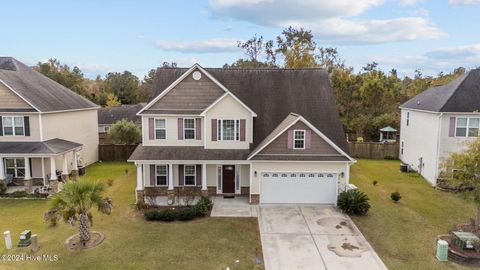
(75, 201)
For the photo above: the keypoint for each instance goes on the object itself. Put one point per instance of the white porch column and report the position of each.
(139, 177)
(74, 161)
(204, 176)
(170, 176)
(43, 172)
(28, 175)
(53, 169)
(2, 169)
(65, 166)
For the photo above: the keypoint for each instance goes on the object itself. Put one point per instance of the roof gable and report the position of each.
(42, 93)
(10, 100)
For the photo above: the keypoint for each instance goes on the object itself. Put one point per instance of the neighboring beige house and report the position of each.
(45, 128)
(439, 121)
(271, 134)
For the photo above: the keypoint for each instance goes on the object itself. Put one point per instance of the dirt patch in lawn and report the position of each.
(96, 238)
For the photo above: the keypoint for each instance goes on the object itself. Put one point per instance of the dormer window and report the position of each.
(228, 130)
(189, 128)
(299, 139)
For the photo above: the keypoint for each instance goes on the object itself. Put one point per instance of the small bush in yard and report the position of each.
(375, 182)
(110, 182)
(353, 202)
(395, 196)
(187, 213)
(152, 214)
(167, 215)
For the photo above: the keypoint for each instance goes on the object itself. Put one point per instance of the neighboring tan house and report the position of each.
(43, 127)
(271, 134)
(440, 121)
(108, 116)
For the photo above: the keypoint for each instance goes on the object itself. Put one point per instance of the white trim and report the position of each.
(304, 139)
(13, 125)
(220, 128)
(467, 127)
(170, 115)
(433, 112)
(194, 128)
(40, 126)
(72, 110)
(300, 118)
(155, 127)
(193, 161)
(238, 173)
(185, 175)
(182, 77)
(166, 174)
(219, 174)
(214, 103)
(11, 89)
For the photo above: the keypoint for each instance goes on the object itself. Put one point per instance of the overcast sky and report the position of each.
(103, 36)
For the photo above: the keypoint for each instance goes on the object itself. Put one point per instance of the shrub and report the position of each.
(203, 206)
(152, 214)
(395, 196)
(166, 215)
(110, 182)
(353, 201)
(186, 213)
(18, 194)
(141, 205)
(375, 182)
(3, 188)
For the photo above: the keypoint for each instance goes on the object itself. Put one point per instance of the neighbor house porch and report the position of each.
(31, 165)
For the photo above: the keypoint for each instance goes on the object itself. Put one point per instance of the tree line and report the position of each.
(367, 100)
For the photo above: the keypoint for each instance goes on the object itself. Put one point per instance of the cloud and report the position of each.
(331, 21)
(464, 2)
(409, 3)
(215, 45)
(466, 52)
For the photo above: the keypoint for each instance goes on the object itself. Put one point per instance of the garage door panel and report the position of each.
(298, 187)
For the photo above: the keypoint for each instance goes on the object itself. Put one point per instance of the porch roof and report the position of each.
(50, 147)
(186, 153)
(300, 158)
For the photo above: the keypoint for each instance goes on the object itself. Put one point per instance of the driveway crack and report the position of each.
(313, 239)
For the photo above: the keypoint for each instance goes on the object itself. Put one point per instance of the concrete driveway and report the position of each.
(313, 237)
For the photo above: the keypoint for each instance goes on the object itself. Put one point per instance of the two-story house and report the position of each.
(439, 121)
(45, 128)
(271, 134)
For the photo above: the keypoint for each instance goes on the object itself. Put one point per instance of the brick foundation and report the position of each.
(64, 177)
(254, 198)
(54, 186)
(28, 185)
(245, 190)
(140, 198)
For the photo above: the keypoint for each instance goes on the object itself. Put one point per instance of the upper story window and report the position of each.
(190, 175)
(299, 139)
(13, 126)
(228, 130)
(160, 129)
(408, 118)
(467, 127)
(189, 128)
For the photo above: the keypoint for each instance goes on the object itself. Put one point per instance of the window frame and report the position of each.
(194, 175)
(159, 175)
(467, 127)
(236, 130)
(402, 146)
(185, 129)
(408, 119)
(295, 139)
(13, 126)
(15, 167)
(157, 128)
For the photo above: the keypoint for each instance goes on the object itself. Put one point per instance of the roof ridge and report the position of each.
(462, 80)
(259, 68)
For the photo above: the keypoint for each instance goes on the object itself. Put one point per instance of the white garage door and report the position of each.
(298, 187)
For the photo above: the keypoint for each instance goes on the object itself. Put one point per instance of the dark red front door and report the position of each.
(228, 178)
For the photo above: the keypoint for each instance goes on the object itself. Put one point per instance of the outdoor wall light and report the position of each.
(342, 174)
(255, 173)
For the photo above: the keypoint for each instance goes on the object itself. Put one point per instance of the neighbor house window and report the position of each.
(467, 127)
(107, 129)
(160, 129)
(15, 167)
(401, 148)
(299, 139)
(228, 130)
(190, 175)
(13, 126)
(162, 175)
(408, 118)
(189, 128)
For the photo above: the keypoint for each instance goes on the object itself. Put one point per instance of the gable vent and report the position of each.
(197, 75)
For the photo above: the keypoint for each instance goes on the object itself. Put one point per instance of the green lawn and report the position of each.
(131, 242)
(404, 234)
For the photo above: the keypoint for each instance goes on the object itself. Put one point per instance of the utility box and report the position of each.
(25, 238)
(442, 250)
(465, 240)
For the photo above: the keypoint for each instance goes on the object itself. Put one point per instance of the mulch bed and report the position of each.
(96, 238)
(461, 256)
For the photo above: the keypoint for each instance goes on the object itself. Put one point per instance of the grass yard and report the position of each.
(131, 242)
(404, 234)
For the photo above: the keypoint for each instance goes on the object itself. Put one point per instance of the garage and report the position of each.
(298, 187)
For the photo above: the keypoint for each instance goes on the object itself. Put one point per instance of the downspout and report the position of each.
(437, 156)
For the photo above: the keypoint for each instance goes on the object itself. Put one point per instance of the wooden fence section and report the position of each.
(115, 152)
(374, 150)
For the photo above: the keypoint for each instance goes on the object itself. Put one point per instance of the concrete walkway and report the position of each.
(236, 207)
(313, 237)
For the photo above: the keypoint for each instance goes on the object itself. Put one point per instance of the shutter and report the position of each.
(26, 123)
(242, 129)
(290, 139)
(181, 178)
(451, 131)
(214, 129)
(180, 128)
(151, 128)
(198, 178)
(152, 175)
(1, 127)
(198, 128)
(308, 139)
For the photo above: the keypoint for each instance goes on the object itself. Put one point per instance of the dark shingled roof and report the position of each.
(43, 93)
(53, 146)
(273, 94)
(108, 116)
(186, 153)
(460, 95)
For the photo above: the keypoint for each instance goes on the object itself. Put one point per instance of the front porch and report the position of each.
(32, 166)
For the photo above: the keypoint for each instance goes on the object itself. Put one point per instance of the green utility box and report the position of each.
(464, 240)
(442, 250)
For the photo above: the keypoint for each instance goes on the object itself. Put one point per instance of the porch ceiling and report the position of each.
(50, 147)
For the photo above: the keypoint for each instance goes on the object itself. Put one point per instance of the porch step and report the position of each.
(229, 196)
